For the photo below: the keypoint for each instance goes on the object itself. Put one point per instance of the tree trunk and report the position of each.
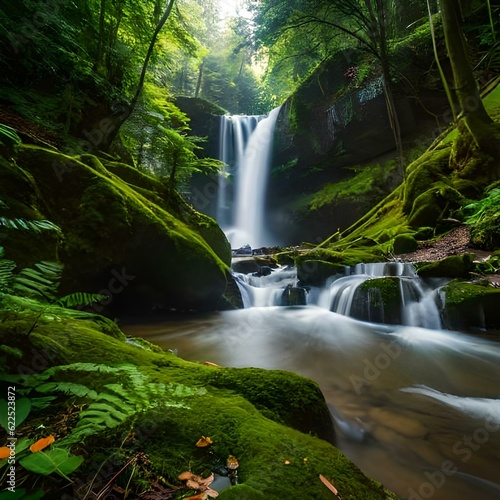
(100, 40)
(119, 119)
(476, 118)
(200, 76)
(378, 34)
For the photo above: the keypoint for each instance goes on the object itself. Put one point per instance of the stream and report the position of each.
(416, 408)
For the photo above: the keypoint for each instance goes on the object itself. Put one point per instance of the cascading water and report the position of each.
(246, 146)
(234, 134)
(389, 292)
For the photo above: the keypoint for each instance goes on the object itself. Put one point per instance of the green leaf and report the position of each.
(22, 410)
(70, 388)
(21, 445)
(80, 299)
(56, 460)
(21, 493)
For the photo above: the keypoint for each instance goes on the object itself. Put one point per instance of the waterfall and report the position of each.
(234, 134)
(246, 147)
(400, 298)
(389, 292)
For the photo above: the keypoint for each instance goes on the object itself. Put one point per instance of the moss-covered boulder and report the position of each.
(155, 407)
(378, 300)
(454, 266)
(125, 234)
(471, 306)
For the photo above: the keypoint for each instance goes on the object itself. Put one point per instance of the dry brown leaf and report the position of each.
(193, 485)
(328, 484)
(212, 493)
(209, 363)
(204, 441)
(185, 475)
(232, 462)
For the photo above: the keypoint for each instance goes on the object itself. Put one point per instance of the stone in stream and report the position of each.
(293, 296)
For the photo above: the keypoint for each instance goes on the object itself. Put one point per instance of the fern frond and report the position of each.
(41, 282)
(6, 275)
(80, 299)
(68, 388)
(34, 226)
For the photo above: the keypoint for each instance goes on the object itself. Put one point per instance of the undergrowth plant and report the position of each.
(40, 282)
(107, 404)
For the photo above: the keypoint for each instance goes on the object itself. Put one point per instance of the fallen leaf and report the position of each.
(209, 363)
(4, 452)
(204, 441)
(207, 481)
(42, 443)
(328, 484)
(232, 462)
(287, 462)
(193, 485)
(212, 493)
(185, 475)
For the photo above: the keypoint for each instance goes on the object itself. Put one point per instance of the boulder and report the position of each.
(124, 233)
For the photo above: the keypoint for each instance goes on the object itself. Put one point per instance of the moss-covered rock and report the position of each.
(125, 233)
(378, 300)
(471, 306)
(404, 243)
(454, 266)
(311, 271)
(251, 414)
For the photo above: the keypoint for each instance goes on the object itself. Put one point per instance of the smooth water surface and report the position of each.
(417, 409)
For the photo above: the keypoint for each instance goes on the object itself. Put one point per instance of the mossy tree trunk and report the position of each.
(482, 128)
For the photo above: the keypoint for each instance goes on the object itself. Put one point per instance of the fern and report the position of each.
(41, 282)
(109, 404)
(80, 299)
(34, 226)
(6, 275)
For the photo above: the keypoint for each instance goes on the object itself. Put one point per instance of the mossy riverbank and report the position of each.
(159, 405)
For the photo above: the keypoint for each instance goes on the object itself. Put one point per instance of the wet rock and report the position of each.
(293, 296)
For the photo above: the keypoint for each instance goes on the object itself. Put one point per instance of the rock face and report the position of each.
(124, 234)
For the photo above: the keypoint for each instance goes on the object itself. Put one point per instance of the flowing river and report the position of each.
(416, 409)
(414, 406)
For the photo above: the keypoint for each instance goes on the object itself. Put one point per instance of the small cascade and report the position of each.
(389, 292)
(246, 144)
(266, 291)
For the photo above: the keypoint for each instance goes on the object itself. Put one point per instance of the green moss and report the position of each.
(404, 243)
(303, 409)
(471, 306)
(455, 266)
(367, 179)
(378, 300)
(230, 405)
(482, 217)
(422, 174)
(178, 257)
